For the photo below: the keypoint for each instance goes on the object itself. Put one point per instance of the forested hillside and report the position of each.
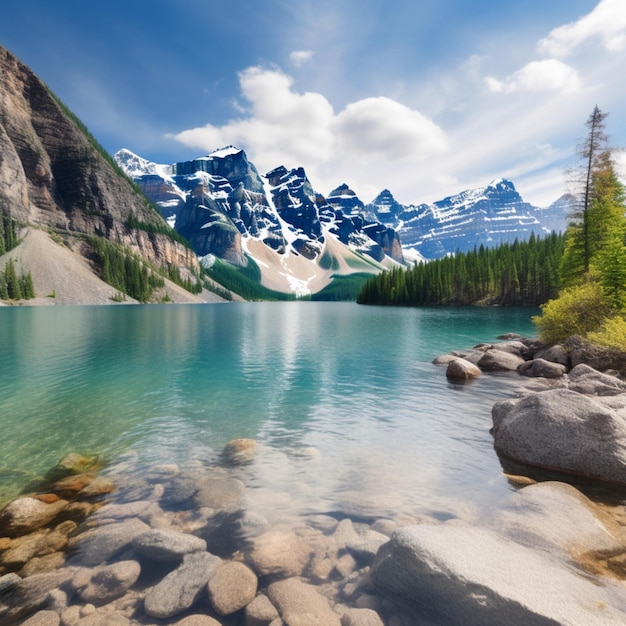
(517, 274)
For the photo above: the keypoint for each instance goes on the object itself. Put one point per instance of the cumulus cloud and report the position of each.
(300, 57)
(607, 22)
(282, 126)
(538, 76)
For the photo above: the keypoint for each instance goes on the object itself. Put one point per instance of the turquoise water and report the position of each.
(343, 399)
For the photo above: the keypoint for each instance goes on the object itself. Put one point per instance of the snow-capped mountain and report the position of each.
(485, 216)
(225, 209)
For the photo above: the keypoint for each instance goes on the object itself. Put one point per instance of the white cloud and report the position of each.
(284, 127)
(538, 76)
(300, 57)
(607, 21)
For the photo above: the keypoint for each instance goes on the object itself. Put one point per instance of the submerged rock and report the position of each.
(239, 451)
(232, 587)
(180, 589)
(167, 545)
(27, 514)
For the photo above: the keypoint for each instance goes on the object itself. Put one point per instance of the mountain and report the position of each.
(56, 178)
(225, 209)
(484, 216)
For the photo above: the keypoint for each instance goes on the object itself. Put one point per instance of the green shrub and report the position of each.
(612, 334)
(579, 310)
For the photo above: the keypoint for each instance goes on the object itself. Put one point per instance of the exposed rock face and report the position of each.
(53, 174)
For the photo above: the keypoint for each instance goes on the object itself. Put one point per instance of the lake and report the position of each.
(349, 413)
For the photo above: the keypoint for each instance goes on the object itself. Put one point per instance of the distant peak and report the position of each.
(224, 152)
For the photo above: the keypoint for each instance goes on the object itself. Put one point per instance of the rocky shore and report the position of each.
(162, 544)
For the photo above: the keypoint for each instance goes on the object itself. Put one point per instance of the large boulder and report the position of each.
(541, 367)
(587, 380)
(458, 574)
(562, 430)
(462, 370)
(499, 361)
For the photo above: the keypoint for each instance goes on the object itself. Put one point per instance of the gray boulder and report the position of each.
(261, 612)
(499, 361)
(458, 574)
(555, 353)
(180, 589)
(585, 379)
(541, 367)
(167, 545)
(562, 430)
(460, 369)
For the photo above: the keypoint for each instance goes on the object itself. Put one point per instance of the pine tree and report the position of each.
(14, 290)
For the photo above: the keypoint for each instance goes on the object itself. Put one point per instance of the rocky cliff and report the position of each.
(53, 174)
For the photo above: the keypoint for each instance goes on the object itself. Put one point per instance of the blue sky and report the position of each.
(426, 98)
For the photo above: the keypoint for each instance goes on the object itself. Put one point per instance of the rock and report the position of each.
(167, 545)
(279, 552)
(460, 369)
(42, 564)
(8, 582)
(300, 604)
(31, 593)
(597, 357)
(43, 618)
(541, 367)
(179, 490)
(123, 511)
(555, 353)
(104, 618)
(107, 582)
(457, 574)
(26, 514)
(512, 347)
(361, 617)
(100, 544)
(562, 430)
(180, 589)
(231, 587)
(75, 463)
(551, 515)
(507, 336)
(364, 548)
(197, 620)
(260, 612)
(222, 494)
(444, 359)
(585, 379)
(239, 451)
(69, 486)
(499, 361)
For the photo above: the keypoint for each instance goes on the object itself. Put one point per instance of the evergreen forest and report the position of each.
(13, 286)
(524, 273)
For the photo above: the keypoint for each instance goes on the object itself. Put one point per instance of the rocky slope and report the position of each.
(53, 175)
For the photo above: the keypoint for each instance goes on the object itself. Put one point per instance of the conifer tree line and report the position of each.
(592, 301)
(517, 274)
(123, 270)
(13, 286)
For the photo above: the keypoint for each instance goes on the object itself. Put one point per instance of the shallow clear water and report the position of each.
(349, 412)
